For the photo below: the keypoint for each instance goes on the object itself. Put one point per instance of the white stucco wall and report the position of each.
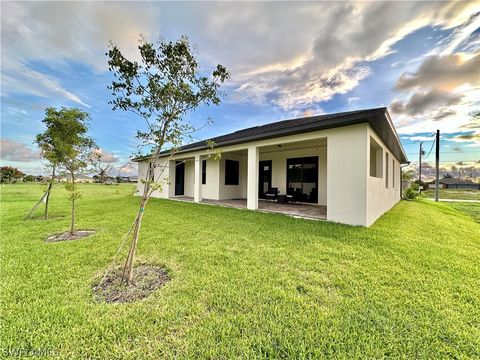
(189, 177)
(163, 174)
(210, 189)
(346, 175)
(380, 198)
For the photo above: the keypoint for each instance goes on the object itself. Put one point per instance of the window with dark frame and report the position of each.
(394, 178)
(376, 159)
(386, 170)
(204, 172)
(302, 179)
(232, 172)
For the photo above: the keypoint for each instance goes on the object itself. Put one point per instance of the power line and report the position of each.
(430, 150)
(452, 152)
(445, 161)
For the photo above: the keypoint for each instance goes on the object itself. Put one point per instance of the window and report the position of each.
(232, 172)
(394, 177)
(302, 179)
(386, 170)
(376, 159)
(204, 172)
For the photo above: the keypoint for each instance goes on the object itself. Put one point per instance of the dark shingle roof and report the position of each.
(378, 119)
(449, 181)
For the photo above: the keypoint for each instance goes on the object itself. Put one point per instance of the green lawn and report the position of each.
(453, 194)
(244, 284)
(472, 209)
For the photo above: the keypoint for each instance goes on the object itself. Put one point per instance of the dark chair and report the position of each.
(271, 194)
(292, 196)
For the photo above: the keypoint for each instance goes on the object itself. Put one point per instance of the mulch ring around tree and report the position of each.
(66, 236)
(146, 279)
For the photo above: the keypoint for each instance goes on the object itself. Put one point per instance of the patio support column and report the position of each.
(197, 185)
(252, 178)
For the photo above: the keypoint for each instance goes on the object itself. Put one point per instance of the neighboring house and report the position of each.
(78, 178)
(348, 163)
(452, 183)
(133, 179)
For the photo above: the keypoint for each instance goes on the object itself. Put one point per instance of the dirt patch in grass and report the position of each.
(146, 279)
(66, 236)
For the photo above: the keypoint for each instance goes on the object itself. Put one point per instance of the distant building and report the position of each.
(132, 179)
(78, 178)
(452, 183)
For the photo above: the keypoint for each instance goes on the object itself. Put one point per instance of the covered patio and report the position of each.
(306, 211)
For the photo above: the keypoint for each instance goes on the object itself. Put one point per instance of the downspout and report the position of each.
(401, 172)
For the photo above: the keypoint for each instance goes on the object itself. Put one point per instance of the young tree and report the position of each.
(49, 143)
(161, 90)
(71, 148)
(102, 167)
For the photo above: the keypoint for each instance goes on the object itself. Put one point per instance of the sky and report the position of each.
(286, 60)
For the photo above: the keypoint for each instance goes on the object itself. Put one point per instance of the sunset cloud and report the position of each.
(15, 151)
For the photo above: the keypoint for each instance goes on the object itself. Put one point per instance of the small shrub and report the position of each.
(411, 193)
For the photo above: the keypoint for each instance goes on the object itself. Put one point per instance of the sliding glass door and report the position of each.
(302, 179)
(264, 177)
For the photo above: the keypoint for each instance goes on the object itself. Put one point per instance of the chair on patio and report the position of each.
(293, 195)
(271, 194)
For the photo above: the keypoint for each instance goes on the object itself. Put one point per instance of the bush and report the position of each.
(411, 193)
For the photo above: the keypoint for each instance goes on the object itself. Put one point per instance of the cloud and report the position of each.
(444, 114)
(473, 136)
(60, 31)
(15, 151)
(128, 169)
(335, 60)
(290, 55)
(473, 124)
(420, 138)
(107, 157)
(443, 72)
(54, 34)
(422, 101)
(19, 78)
(440, 93)
(457, 149)
(17, 111)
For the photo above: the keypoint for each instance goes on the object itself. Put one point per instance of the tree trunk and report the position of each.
(72, 223)
(50, 185)
(127, 274)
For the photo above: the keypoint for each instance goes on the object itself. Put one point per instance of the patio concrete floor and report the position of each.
(307, 211)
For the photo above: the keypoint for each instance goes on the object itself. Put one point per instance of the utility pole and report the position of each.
(437, 163)
(420, 154)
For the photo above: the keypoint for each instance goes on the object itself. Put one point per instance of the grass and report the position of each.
(471, 209)
(453, 194)
(243, 284)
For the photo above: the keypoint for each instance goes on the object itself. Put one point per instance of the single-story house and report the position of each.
(131, 179)
(80, 178)
(343, 167)
(452, 183)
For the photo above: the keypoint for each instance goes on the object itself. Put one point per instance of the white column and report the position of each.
(197, 185)
(252, 178)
